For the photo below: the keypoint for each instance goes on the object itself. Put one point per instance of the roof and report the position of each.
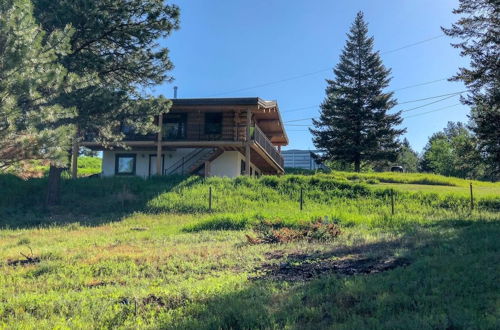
(217, 101)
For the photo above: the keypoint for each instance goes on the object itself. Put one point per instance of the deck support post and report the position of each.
(158, 145)
(248, 142)
(207, 169)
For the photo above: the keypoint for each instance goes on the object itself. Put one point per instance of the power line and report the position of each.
(439, 109)
(432, 97)
(424, 105)
(421, 84)
(449, 95)
(319, 71)
(399, 103)
(414, 44)
(415, 115)
(271, 83)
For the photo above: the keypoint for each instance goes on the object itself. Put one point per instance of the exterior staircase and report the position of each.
(193, 161)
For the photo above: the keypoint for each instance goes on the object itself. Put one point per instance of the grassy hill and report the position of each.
(127, 252)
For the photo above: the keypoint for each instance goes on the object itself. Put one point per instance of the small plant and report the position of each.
(276, 232)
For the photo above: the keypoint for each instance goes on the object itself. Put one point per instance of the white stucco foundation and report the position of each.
(228, 164)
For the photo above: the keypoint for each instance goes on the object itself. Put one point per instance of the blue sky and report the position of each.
(226, 46)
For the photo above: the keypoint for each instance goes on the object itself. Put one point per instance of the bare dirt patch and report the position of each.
(368, 258)
(295, 270)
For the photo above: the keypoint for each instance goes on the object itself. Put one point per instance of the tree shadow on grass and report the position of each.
(89, 201)
(449, 281)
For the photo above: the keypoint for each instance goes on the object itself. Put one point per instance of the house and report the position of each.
(207, 136)
(304, 159)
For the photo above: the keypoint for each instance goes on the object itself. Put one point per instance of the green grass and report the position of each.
(134, 253)
(89, 165)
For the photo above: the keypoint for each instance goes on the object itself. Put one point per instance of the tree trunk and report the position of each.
(357, 164)
(54, 185)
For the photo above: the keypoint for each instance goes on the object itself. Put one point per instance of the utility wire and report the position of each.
(319, 71)
(435, 110)
(421, 84)
(415, 115)
(432, 97)
(413, 44)
(424, 105)
(399, 103)
(449, 95)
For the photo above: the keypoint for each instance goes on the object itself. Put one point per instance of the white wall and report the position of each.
(228, 164)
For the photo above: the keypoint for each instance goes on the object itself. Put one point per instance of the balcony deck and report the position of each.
(263, 150)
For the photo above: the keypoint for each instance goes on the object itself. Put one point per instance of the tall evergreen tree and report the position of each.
(479, 29)
(118, 41)
(354, 126)
(33, 125)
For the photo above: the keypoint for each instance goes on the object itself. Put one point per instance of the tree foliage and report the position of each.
(354, 126)
(32, 121)
(454, 152)
(117, 40)
(479, 28)
(407, 157)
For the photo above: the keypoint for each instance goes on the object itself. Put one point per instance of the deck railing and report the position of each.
(261, 139)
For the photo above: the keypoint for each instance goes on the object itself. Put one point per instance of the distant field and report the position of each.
(478, 191)
(133, 253)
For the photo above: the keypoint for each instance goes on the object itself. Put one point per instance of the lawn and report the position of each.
(127, 253)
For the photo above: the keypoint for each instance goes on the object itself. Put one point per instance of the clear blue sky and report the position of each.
(226, 45)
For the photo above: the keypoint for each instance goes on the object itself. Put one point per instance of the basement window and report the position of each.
(125, 164)
(213, 123)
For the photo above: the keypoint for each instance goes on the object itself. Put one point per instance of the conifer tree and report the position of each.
(354, 126)
(479, 29)
(33, 125)
(118, 41)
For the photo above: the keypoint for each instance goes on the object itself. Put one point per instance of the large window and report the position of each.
(174, 126)
(213, 123)
(125, 164)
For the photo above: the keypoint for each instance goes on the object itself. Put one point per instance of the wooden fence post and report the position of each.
(471, 198)
(392, 201)
(301, 198)
(210, 198)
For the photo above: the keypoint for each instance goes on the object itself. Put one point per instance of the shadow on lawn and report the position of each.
(89, 201)
(448, 282)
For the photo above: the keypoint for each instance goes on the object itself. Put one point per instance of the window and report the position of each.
(213, 123)
(125, 164)
(174, 126)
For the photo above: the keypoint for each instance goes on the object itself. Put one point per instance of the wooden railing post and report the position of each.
(247, 143)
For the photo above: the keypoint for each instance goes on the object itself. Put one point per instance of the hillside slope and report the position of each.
(125, 253)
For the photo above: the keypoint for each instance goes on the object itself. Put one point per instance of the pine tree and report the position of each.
(33, 125)
(117, 40)
(354, 126)
(479, 29)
